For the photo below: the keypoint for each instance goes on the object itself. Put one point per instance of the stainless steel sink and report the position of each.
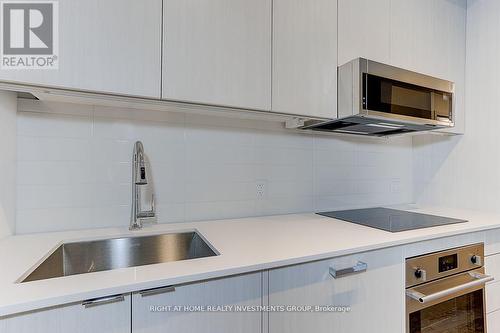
(107, 254)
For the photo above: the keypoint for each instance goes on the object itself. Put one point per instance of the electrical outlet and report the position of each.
(261, 189)
(395, 186)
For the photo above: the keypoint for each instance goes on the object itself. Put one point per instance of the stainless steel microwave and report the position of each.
(381, 100)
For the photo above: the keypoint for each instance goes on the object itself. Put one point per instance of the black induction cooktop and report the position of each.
(392, 220)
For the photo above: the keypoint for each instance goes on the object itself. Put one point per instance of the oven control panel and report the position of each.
(432, 266)
(448, 262)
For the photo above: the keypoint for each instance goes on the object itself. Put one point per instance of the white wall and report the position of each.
(8, 108)
(464, 171)
(74, 168)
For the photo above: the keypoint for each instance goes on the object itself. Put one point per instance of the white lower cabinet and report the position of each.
(492, 297)
(375, 297)
(492, 266)
(493, 322)
(107, 315)
(151, 313)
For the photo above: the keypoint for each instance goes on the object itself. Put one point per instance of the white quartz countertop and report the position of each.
(245, 245)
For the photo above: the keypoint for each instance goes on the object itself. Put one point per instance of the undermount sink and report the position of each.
(102, 255)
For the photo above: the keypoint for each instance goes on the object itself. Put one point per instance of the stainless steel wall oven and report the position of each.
(445, 291)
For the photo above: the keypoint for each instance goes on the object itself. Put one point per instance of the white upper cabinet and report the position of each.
(364, 30)
(218, 52)
(111, 46)
(428, 36)
(305, 57)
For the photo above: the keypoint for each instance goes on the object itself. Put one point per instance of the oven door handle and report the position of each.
(479, 279)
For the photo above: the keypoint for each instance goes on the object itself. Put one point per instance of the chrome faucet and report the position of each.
(139, 179)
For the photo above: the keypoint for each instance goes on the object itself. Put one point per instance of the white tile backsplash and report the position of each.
(74, 168)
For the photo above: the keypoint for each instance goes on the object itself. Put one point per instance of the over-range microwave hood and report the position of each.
(375, 99)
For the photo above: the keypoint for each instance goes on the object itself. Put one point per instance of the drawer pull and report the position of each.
(103, 300)
(157, 291)
(360, 267)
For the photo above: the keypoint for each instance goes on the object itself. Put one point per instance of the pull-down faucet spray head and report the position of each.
(138, 180)
(139, 165)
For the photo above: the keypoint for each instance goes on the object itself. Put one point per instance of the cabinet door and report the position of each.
(428, 36)
(364, 30)
(218, 52)
(112, 316)
(493, 321)
(375, 297)
(242, 290)
(305, 57)
(107, 46)
(492, 267)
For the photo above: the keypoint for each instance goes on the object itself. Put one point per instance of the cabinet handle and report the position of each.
(360, 267)
(477, 279)
(103, 300)
(156, 291)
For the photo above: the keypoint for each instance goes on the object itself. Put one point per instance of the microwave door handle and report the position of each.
(479, 279)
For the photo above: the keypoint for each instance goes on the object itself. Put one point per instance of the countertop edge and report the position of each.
(22, 307)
